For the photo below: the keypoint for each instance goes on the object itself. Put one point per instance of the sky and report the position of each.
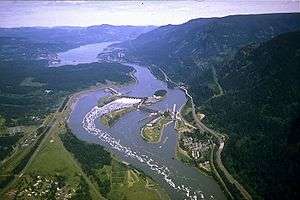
(87, 13)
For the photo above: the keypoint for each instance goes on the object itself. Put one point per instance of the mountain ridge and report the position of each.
(256, 62)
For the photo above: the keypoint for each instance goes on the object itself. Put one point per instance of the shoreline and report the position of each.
(105, 137)
(75, 97)
(161, 133)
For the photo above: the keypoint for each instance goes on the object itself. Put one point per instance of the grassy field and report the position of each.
(60, 166)
(111, 177)
(53, 167)
(127, 183)
(183, 156)
(110, 118)
(15, 160)
(182, 126)
(61, 161)
(152, 131)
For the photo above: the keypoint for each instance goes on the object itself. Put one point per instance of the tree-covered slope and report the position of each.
(20, 48)
(255, 60)
(192, 45)
(32, 89)
(260, 113)
(43, 42)
(211, 36)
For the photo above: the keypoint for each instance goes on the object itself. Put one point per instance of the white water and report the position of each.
(88, 124)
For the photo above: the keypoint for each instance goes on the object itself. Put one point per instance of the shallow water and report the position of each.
(124, 140)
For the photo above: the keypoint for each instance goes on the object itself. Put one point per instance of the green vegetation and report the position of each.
(83, 191)
(36, 164)
(160, 93)
(113, 179)
(30, 91)
(38, 187)
(20, 48)
(259, 111)
(16, 161)
(61, 161)
(22, 104)
(110, 118)
(62, 178)
(71, 36)
(90, 156)
(219, 37)
(186, 112)
(127, 183)
(246, 81)
(183, 156)
(7, 144)
(182, 126)
(153, 131)
(2, 124)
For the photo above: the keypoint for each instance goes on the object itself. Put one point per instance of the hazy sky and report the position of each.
(83, 13)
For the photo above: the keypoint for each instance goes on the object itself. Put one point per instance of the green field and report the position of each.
(113, 179)
(128, 183)
(63, 170)
(152, 131)
(183, 156)
(18, 155)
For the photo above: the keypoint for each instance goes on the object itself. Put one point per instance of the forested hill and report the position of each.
(254, 60)
(42, 43)
(190, 46)
(260, 112)
(76, 35)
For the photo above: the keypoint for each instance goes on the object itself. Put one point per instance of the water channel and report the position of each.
(124, 140)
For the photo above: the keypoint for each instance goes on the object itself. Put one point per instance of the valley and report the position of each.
(200, 109)
(233, 69)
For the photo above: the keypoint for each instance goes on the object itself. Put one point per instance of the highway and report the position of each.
(221, 142)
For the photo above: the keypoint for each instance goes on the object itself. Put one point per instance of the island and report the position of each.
(152, 131)
(160, 93)
(111, 118)
(118, 105)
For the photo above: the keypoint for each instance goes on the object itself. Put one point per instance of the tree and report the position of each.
(2, 124)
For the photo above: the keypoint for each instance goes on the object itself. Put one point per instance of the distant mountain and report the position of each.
(17, 48)
(77, 35)
(243, 73)
(40, 42)
(192, 45)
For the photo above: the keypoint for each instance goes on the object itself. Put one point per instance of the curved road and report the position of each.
(221, 140)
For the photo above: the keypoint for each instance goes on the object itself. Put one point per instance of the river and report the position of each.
(124, 140)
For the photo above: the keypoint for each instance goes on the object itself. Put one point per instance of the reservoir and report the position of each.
(124, 139)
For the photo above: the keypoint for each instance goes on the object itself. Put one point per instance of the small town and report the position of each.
(196, 148)
(151, 100)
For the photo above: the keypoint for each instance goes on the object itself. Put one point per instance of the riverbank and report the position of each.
(121, 139)
(219, 170)
(110, 118)
(51, 148)
(76, 96)
(152, 132)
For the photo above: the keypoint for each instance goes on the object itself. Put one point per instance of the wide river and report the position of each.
(124, 140)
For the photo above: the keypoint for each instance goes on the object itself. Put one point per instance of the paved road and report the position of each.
(45, 134)
(57, 120)
(221, 140)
